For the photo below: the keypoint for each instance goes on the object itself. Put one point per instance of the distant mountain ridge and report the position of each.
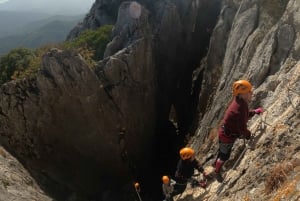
(12, 21)
(34, 34)
(24, 23)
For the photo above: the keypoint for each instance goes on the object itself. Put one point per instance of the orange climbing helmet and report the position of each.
(165, 179)
(136, 185)
(241, 87)
(186, 153)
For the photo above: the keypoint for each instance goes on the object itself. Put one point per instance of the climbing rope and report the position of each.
(126, 160)
(237, 13)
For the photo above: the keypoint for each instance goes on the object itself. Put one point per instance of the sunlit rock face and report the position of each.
(258, 41)
(16, 182)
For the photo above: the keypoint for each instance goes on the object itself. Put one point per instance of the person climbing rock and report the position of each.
(234, 124)
(185, 170)
(168, 188)
(137, 187)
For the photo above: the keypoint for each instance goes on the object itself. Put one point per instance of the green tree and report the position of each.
(92, 43)
(16, 63)
(23, 62)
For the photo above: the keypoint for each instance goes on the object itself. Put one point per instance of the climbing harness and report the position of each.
(194, 180)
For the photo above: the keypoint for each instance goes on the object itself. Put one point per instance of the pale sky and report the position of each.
(48, 6)
(2, 1)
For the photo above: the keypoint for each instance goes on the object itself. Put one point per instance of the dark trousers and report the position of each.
(169, 199)
(180, 186)
(224, 150)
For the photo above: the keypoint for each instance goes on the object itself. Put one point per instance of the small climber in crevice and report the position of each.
(138, 192)
(168, 188)
(137, 187)
(122, 143)
(185, 170)
(234, 124)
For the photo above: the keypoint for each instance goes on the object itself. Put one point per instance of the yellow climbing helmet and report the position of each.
(186, 153)
(165, 179)
(241, 87)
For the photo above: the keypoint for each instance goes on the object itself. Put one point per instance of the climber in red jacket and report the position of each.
(234, 123)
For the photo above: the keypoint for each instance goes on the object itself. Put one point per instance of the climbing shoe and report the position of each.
(219, 177)
(203, 184)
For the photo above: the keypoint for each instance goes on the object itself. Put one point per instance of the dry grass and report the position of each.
(288, 191)
(279, 128)
(2, 152)
(257, 164)
(279, 175)
(246, 198)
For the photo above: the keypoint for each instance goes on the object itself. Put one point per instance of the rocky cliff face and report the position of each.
(261, 44)
(16, 182)
(85, 133)
(103, 12)
(189, 23)
(78, 128)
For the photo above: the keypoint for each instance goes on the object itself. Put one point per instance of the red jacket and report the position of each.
(235, 121)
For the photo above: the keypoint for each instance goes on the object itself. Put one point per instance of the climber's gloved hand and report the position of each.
(205, 175)
(203, 184)
(172, 182)
(259, 110)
